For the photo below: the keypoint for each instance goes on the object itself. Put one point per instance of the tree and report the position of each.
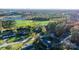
(51, 27)
(8, 23)
(59, 29)
(75, 34)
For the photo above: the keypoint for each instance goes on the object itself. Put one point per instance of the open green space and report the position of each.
(24, 23)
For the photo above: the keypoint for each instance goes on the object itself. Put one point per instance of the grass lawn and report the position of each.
(24, 23)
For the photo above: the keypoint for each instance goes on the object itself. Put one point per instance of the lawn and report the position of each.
(24, 23)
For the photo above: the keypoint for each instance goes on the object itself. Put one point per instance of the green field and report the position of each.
(24, 23)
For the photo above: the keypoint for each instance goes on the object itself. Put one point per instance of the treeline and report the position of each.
(7, 23)
(40, 19)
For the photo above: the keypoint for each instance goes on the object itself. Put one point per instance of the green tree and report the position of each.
(75, 34)
(51, 27)
(8, 23)
(59, 29)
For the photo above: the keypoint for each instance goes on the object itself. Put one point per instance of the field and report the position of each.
(24, 23)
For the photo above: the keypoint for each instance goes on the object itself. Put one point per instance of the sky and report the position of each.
(40, 4)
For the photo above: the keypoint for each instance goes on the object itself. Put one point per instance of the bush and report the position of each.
(17, 46)
(1, 41)
(11, 40)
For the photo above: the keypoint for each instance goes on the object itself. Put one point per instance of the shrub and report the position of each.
(1, 41)
(16, 46)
